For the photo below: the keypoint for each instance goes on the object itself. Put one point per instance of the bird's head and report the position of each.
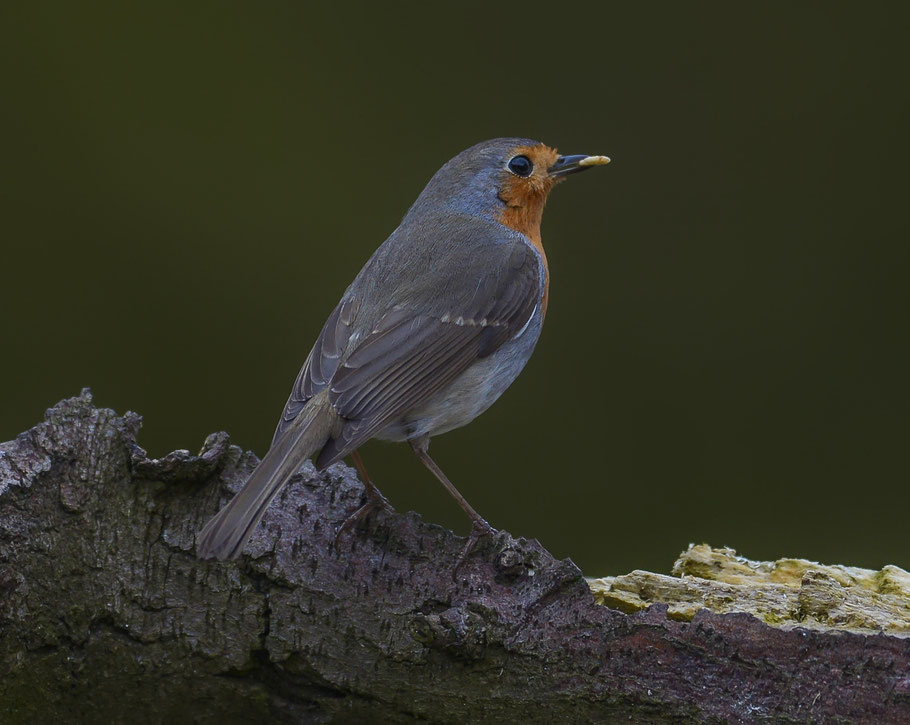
(506, 178)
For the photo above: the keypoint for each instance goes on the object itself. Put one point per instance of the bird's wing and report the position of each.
(416, 350)
(321, 363)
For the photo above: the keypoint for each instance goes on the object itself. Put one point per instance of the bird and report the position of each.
(436, 325)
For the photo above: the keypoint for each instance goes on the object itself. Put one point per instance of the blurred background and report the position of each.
(187, 189)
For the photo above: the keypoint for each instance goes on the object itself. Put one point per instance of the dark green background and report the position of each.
(187, 189)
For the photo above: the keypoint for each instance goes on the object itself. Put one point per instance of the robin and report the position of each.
(438, 323)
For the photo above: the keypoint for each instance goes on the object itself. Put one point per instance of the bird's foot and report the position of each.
(480, 529)
(375, 502)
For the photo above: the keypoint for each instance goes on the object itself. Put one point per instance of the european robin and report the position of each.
(438, 323)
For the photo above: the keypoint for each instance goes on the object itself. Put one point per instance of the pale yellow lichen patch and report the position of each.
(892, 580)
(605, 594)
(786, 593)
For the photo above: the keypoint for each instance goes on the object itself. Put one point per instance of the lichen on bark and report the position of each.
(786, 593)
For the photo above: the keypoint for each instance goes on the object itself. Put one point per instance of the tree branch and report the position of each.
(106, 614)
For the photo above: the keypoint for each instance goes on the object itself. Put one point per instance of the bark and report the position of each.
(106, 615)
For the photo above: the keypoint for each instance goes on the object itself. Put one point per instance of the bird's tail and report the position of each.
(225, 534)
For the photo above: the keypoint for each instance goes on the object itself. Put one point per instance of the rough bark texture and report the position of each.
(106, 615)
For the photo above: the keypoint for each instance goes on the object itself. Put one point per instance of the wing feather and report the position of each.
(412, 355)
(418, 347)
(321, 363)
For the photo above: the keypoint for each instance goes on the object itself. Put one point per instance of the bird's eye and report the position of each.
(521, 166)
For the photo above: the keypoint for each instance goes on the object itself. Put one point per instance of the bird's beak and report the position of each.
(572, 164)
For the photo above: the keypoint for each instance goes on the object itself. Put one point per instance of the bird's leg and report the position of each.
(373, 493)
(479, 527)
(375, 499)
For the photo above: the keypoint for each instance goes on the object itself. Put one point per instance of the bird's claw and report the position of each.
(480, 529)
(375, 502)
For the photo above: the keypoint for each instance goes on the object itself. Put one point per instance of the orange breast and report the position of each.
(523, 213)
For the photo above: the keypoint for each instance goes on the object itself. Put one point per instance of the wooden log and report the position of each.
(107, 615)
